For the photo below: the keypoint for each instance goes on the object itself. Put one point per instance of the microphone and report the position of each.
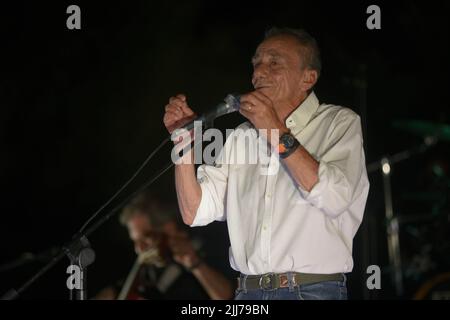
(231, 104)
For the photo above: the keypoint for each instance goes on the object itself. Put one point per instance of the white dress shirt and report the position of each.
(274, 224)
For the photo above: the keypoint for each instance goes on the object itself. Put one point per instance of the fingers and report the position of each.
(247, 103)
(255, 98)
(261, 97)
(186, 110)
(174, 110)
(175, 104)
(247, 108)
(177, 113)
(178, 258)
(179, 102)
(171, 117)
(181, 96)
(244, 112)
(253, 104)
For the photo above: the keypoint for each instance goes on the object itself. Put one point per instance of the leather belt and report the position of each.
(272, 281)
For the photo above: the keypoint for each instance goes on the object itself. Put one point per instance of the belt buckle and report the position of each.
(266, 281)
(284, 281)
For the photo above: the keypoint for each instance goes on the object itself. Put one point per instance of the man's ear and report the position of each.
(309, 79)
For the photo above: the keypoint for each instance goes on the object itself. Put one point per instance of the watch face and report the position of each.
(288, 140)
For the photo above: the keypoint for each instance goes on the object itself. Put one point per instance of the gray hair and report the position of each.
(157, 211)
(310, 50)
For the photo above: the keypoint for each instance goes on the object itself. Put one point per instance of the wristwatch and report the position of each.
(287, 145)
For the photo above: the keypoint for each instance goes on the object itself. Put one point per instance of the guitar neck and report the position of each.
(130, 280)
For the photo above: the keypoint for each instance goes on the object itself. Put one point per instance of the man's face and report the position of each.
(144, 235)
(278, 69)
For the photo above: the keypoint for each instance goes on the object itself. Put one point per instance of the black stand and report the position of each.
(80, 253)
(392, 221)
(81, 256)
(27, 258)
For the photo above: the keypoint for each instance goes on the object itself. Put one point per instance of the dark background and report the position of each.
(81, 109)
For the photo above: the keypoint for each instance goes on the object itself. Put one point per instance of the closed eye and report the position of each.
(255, 63)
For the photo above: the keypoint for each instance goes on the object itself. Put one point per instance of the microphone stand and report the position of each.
(28, 257)
(392, 226)
(79, 251)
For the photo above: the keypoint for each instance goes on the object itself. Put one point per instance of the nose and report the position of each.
(259, 73)
(143, 244)
(140, 246)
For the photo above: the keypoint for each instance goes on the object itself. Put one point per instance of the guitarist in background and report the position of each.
(169, 264)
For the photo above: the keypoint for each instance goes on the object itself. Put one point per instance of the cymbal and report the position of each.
(424, 128)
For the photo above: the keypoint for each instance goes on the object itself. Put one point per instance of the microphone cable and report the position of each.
(135, 174)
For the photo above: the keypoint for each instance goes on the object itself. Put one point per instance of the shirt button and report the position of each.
(269, 195)
(264, 228)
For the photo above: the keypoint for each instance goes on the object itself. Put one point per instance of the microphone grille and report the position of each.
(233, 101)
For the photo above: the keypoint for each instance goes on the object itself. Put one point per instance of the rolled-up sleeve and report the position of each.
(342, 175)
(213, 181)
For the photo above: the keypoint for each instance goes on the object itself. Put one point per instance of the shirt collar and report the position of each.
(300, 117)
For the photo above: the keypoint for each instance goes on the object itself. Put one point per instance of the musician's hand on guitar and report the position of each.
(183, 250)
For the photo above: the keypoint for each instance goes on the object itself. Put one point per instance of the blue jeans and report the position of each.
(327, 290)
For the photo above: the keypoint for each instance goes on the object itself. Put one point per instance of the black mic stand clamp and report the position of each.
(81, 255)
